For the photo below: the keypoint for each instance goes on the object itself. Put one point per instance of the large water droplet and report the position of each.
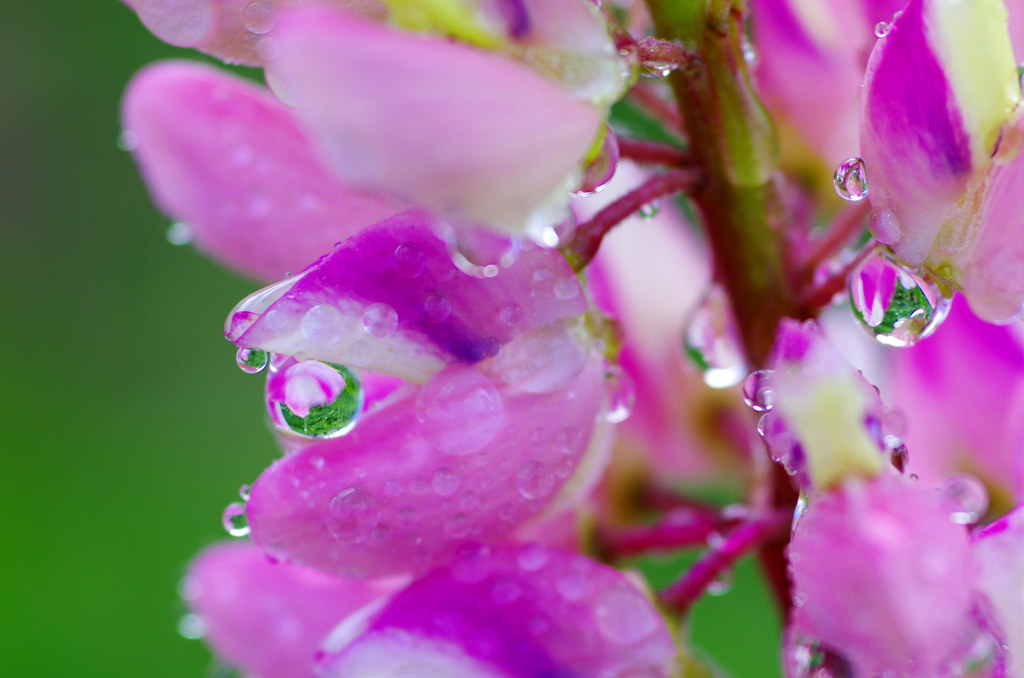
(459, 410)
(315, 399)
(623, 616)
(352, 515)
(850, 180)
(380, 320)
(758, 392)
(259, 16)
(234, 521)
(966, 499)
(252, 360)
(895, 305)
(535, 480)
(712, 342)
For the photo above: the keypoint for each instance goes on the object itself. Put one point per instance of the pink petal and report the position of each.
(226, 158)
(961, 394)
(515, 612)
(391, 300)
(999, 550)
(882, 576)
(269, 618)
(461, 458)
(229, 29)
(469, 135)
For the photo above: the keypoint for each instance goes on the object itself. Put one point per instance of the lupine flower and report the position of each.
(939, 137)
(999, 551)
(523, 611)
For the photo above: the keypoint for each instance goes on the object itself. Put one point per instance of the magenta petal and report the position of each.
(882, 576)
(229, 29)
(391, 300)
(999, 550)
(461, 458)
(520, 612)
(269, 618)
(226, 158)
(469, 135)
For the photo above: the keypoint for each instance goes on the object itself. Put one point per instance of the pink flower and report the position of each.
(941, 140)
(999, 551)
(510, 612)
(882, 577)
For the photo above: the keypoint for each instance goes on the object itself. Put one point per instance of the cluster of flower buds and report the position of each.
(485, 404)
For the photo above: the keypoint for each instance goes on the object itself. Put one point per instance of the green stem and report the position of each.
(734, 145)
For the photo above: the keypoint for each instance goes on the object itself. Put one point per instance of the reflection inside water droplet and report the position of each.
(712, 342)
(234, 521)
(314, 399)
(259, 16)
(251, 360)
(850, 180)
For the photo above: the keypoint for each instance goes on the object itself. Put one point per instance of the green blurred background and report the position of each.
(127, 426)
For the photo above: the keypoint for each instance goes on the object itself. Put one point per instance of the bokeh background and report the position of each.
(126, 426)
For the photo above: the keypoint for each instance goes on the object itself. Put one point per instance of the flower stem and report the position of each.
(653, 153)
(678, 529)
(584, 245)
(734, 145)
(847, 225)
(685, 592)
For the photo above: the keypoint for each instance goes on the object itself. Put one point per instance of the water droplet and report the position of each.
(259, 16)
(881, 29)
(252, 360)
(722, 583)
(505, 592)
(567, 288)
(352, 515)
(758, 393)
(712, 343)
(323, 325)
(850, 180)
(471, 562)
(810, 659)
(315, 399)
(897, 306)
(127, 140)
(458, 526)
(444, 482)
(657, 69)
(179, 233)
(783, 446)
(380, 320)
(649, 210)
(243, 492)
(596, 175)
(620, 392)
(624, 616)
(966, 499)
(459, 410)
(436, 307)
(544, 359)
(192, 626)
(899, 455)
(532, 557)
(234, 521)
(535, 480)
(512, 314)
(408, 260)
(249, 310)
(572, 586)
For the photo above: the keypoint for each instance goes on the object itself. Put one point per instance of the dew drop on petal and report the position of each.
(896, 305)
(966, 499)
(179, 233)
(532, 557)
(899, 455)
(243, 492)
(881, 29)
(623, 616)
(436, 307)
(380, 320)
(711, 341)
(535, 480)
(458, 526)
(657, 69)
(192, 626)
(408, 260)
(352, 515)
(722, 583)
(512, 314)
(649, 210)
(758, 392)
(444, 482)
(850, 180)
(459, 410)
(620, 392)
(234, 521)
(127, 140)
(322, 325)
(315, 399)
(259, 16)
(252, 360)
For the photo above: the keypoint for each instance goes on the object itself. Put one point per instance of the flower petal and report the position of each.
(391, 300)
(226, 158)
(469, 135)
(229, 29)
(269, 618)
(513, 613)
(999, 550)
(461, 458)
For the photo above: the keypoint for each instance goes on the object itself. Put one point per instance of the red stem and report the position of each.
(585, 243)
(685, 592)
(849, 224)
(679, 529)
(661, 109)
(820, 296)
(653, 153)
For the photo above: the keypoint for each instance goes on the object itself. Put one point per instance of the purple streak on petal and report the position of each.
(517, 19)
(527, 611)
(910, 101)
